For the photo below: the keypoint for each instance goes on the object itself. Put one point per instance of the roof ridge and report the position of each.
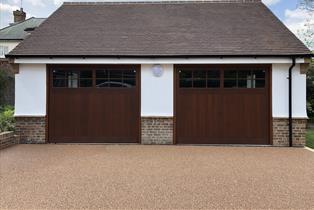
(159, 2)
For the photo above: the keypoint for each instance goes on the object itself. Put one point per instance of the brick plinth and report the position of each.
(157, 130)
(32, 130)
(281, 132)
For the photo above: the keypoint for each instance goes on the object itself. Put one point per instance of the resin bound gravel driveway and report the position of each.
(136, 176)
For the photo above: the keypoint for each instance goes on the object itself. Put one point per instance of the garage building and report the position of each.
(201, 72)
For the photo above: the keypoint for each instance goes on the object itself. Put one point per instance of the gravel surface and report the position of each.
(165, 177)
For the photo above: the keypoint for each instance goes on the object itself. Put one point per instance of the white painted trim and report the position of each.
(244, 60)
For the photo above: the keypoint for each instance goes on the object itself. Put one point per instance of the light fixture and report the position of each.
(157, 70)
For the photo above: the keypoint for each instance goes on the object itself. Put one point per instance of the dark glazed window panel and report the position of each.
(242, 83)
(72, 75)
(129, 74)
(199, 79)
(259, 83)
(259, 74)
(116, 78)
(213, 74)
(59, 83)
(86, 74)
(213, 83)
(101, 74)
(244, 79)
(199, 75)
(244, 74)
(129, 83)
(199, 83)
(186, 83)
(115, 74)
(232, 83)
(104, 78)
(116, 82)
(102, 83)
(230, 74)
(72, 83)
(57, 74)
(86, 83)
(185, 74)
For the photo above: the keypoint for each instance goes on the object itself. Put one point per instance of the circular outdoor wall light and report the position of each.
(157, 70)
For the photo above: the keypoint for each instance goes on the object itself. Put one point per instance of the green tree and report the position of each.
(3, 85)
(307, 35)
(310, 91)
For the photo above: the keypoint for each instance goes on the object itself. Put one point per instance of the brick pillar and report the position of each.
(157, 130)
(32, 130)
(281, 132)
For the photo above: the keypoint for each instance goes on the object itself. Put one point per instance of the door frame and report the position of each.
(49, 68)
(222, 67)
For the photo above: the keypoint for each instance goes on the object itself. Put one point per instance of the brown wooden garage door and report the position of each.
(93, 104)
(222, 104)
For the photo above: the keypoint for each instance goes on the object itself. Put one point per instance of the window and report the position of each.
(72, 79)
(199, 79)
(3, 50)
(244, 79)
(86, 79)
(115, 78)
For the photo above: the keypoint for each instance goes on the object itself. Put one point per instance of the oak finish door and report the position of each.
(222, 104)
(94, 104)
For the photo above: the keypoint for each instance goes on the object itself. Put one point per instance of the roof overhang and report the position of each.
(159, 60)
(163, 56)
(11, 40)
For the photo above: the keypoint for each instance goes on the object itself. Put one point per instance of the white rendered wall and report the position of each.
(157, 92)
(280, 94)
(10, 44)
(30, 90)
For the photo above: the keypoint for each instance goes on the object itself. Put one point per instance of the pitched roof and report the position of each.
(153, 29)
(17, 31)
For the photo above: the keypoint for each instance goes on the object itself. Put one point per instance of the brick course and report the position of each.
(32, 130)
(281, 132)
(8, 139)
(157, 130)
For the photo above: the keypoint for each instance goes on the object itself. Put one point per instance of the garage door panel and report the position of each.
(241, 113)
(114, 102)
(71, 113)
(95, 114)
(199, 126)
(237, 113)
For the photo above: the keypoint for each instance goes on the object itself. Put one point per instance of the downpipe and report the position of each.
(290, 101)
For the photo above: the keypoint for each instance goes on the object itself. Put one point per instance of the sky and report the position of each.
(286, 10)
